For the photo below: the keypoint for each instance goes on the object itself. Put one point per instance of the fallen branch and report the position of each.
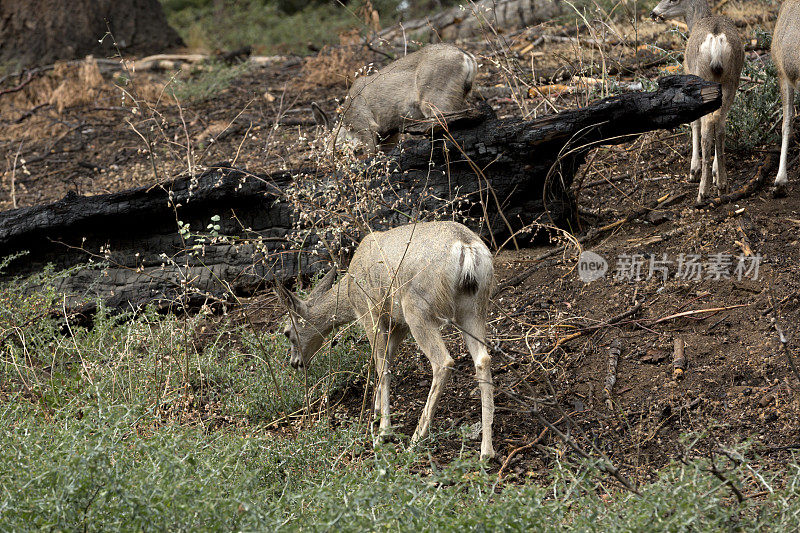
(610, 322)
(525, 447)
(766, 168)
(615, 319)
(611, 375)
(712, 310)
(593, 234)
(678, 358)
(19, 87)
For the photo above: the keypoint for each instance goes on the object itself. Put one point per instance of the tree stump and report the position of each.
(38, 32)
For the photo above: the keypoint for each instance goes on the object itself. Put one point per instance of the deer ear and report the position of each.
(319, 116)
(290, 301)
(324, 284)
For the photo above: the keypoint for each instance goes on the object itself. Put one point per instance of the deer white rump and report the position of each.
(410, 279)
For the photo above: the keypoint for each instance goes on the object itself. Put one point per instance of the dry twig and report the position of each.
(678, 358)
(662, 202)
(611, 376)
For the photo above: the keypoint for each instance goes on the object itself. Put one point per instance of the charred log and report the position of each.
(499, 175)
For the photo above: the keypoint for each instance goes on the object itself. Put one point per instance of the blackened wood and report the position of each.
(509, 173)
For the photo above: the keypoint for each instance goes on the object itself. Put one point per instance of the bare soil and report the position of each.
(737, 385)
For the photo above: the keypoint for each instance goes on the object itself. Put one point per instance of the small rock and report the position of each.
(657, 217)
(766, 400)
(654, 355)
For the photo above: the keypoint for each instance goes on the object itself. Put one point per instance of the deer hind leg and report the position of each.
(695, 168)
(719, 169)
(706, 147)
(430, 341)
(393, 339)
(787, 95)
(473, 329)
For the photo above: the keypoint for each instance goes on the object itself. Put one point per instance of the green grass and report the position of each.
(168, 365)
(106, 428)
(203, 83)
(110, 470)
(259, 24)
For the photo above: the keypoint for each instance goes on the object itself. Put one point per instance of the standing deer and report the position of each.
(714, 52)
(786, 55)
(413, 278)
(433, 80)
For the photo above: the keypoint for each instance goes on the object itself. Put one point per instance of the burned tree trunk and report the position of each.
(37, 32)
(460, 22)
(497, 175)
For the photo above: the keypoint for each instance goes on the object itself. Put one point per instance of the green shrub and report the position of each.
(205, 83)
(755, 112)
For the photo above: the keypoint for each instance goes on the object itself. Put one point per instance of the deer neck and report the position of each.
(332, 309)
(699, 10)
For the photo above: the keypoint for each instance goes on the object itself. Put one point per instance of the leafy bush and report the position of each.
(753, 117)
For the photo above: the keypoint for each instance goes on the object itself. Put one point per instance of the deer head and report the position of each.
(307, 324)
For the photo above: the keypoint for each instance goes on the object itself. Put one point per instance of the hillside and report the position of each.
(221, 375)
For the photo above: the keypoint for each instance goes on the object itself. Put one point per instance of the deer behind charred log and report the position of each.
(714, 52)
(432, 81)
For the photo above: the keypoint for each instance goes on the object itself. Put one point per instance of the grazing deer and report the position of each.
(714, 52)
(433, 80)
(413, 278)
(786, 55)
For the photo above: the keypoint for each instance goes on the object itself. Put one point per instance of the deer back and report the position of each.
(441, 74)
(428, 264)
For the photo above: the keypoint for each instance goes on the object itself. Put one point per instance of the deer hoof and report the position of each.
(694, 175)
(779, 191)
(701, 201)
